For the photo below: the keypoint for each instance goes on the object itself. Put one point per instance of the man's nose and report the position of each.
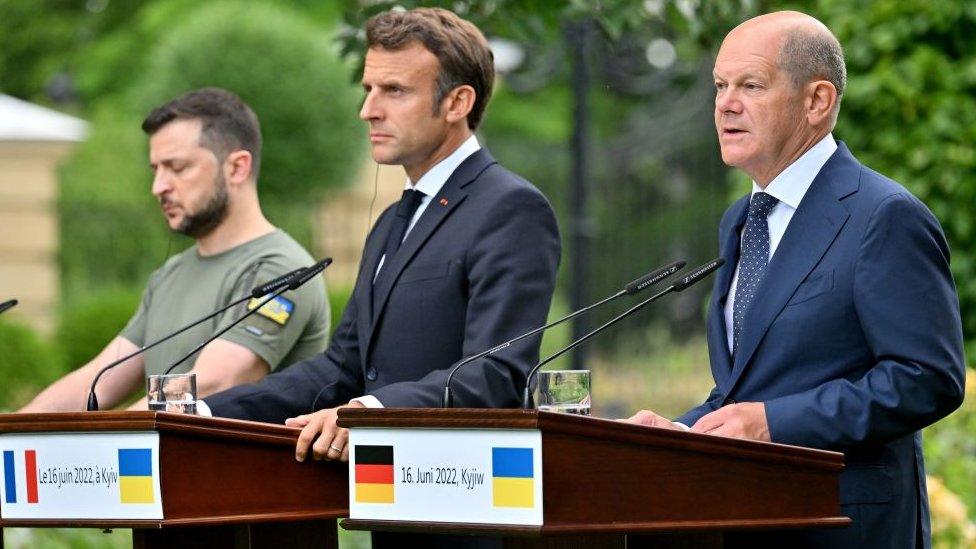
(161, 183)
(370, 109)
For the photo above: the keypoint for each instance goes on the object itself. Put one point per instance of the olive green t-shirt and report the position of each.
(190, 286)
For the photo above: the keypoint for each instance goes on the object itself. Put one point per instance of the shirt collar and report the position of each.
(792, 183)
(431, 182)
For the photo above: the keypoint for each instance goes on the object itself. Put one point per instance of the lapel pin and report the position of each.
(443, 202)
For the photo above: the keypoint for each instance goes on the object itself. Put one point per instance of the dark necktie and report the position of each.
(407, 206)
(752, 260)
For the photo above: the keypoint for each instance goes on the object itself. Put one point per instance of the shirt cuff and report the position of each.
(203, 409)
(368, 401)
(682, 425)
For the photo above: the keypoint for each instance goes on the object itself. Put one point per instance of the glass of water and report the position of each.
(173, 393)
(566, 391)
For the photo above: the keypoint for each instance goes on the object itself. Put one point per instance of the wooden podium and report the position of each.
(613, 484)
(224, 483)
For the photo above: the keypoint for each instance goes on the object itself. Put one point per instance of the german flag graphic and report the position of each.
(374, 474)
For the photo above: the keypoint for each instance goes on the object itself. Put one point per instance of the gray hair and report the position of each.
(807, 56)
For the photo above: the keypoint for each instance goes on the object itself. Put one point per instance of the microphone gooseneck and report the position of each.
(696, 275)
(634, 287)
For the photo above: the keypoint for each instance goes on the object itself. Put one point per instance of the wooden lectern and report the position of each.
(611, 484)
(224, 483)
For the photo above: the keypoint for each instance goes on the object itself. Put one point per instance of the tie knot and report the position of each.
(761, 204)
(408, 203)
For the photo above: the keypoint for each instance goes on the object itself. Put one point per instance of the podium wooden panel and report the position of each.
(224, 483)
(609, 481)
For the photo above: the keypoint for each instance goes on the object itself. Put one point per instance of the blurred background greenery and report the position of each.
(656, 187)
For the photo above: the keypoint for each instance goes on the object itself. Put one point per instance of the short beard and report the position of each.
(202, 222)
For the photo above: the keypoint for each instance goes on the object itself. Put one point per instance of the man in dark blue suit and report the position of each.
(834, 323)
(465, 260)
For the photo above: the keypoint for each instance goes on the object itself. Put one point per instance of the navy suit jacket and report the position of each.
(478, 268)
(853, 342)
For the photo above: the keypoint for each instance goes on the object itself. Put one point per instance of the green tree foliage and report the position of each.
(88, 324)
(286, 69)
(27, 363)
(96, 41)
(284, 66)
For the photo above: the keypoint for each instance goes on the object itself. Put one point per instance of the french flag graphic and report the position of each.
(20, 476)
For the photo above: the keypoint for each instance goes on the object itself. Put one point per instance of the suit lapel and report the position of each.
(723, 280)
(364, 282)
(810, 233)
(440, 207)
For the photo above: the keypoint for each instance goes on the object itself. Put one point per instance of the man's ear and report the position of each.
(237, 166)
(459, 103)
(821, 101)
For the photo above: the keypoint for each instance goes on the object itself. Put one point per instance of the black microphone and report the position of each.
(272, 285)
(255, 293)
(9, 304)
(304, 275)
(641, 283)
(696, 274)
(297, 280)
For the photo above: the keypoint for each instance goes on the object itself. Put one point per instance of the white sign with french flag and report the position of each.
(80, 476)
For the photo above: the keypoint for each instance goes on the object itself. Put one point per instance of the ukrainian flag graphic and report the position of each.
(374, 474)
(512, 477)
(135, 475)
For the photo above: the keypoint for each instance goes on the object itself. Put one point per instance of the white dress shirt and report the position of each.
(788, 187)
(429, 184)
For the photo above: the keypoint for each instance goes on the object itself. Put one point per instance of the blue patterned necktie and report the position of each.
(752, 260)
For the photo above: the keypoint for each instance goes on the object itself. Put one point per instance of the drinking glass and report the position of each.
(173, 393)
(566, 391)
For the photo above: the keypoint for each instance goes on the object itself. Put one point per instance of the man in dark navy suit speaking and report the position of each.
(467, 259)
(835, 322)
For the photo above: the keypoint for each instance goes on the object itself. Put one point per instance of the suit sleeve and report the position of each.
(321, 381)
(511, 267)
(712, 403)
(906, 302)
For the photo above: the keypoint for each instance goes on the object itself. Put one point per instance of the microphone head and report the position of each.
(309, 273)
(276, 284)
(698, 273)
(653, 277)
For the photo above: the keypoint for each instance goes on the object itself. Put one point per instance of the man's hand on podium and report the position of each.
(740, 420)
(650, 419)
(321, 435)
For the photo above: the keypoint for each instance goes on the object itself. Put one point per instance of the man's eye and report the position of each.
(719, 86)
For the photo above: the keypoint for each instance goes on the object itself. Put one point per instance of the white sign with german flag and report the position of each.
(483, 476)
(80, 475)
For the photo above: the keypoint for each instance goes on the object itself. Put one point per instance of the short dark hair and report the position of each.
(227, 123)
(459, 46)
(807, 55)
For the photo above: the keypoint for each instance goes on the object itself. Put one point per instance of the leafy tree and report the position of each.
(287, 70)
(281, 64)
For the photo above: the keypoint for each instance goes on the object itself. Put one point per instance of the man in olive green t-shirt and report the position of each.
(205, 152)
